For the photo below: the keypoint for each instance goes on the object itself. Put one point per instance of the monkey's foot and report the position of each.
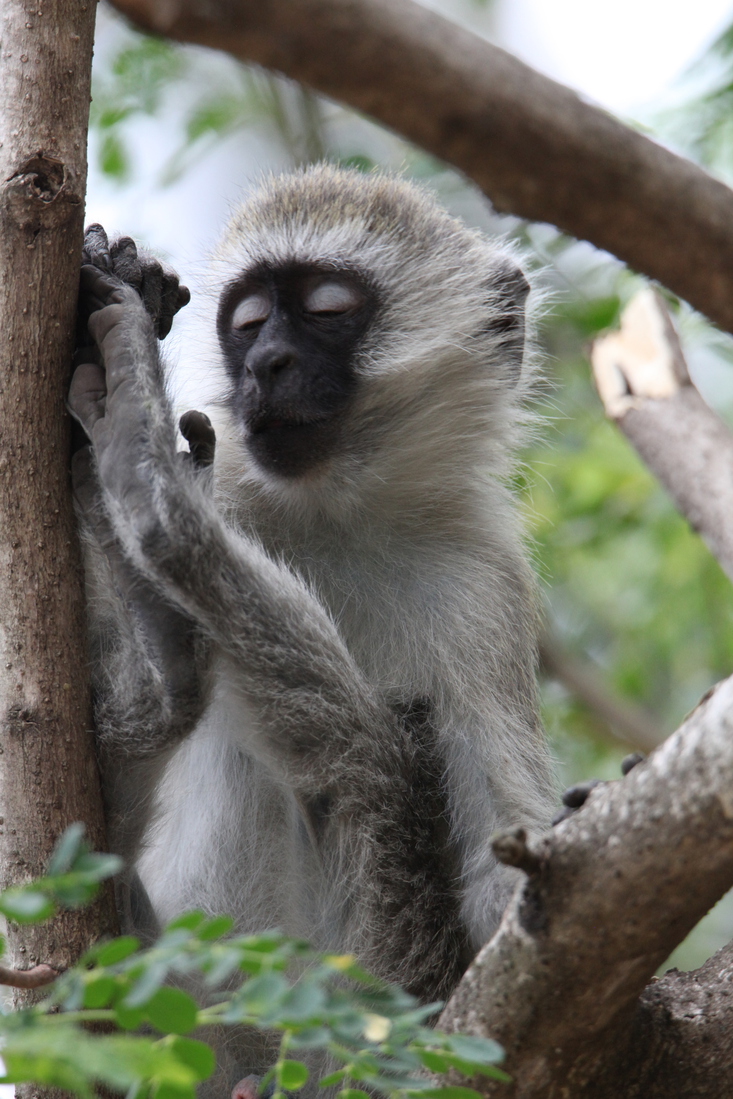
(247, 1088)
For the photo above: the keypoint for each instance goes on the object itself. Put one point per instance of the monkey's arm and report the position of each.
(149, 659)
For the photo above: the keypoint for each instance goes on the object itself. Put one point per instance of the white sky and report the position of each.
(622, 54)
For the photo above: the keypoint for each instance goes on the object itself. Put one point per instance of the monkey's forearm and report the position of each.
(313, 712)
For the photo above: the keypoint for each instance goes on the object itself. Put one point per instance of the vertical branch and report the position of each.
(48, 776)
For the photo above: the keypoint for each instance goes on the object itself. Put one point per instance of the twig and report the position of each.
(37, 977)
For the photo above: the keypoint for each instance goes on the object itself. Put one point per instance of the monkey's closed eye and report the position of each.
(254, 309)
(332, 298)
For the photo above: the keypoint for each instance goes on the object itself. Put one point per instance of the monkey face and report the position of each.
(290, 336)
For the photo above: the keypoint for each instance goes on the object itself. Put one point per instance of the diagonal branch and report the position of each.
(613, 890)
(535, 147)
(626, 723)
(644, 385)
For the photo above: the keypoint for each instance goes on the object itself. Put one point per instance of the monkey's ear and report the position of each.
(507, 296)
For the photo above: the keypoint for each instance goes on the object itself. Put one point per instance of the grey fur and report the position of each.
(316, 698)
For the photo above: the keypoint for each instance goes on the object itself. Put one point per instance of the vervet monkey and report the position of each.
(315, 658)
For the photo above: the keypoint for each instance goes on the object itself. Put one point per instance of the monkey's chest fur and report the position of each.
(227, 835)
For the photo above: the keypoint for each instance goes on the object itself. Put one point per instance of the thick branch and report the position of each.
(643, 382)
(534, 147)
(680, 1042)
(619, 885)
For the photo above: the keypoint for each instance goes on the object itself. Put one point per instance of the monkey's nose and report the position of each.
(267, 364)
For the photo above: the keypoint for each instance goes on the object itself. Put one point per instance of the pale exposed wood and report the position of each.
(645, 387)
(48, 776)
(611, 891)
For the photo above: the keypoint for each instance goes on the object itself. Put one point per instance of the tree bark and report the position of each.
(609, 893)
(643, 382)
(48, 774)
(535, 147)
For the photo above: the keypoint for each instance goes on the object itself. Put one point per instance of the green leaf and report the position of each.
(215, 928)
(172, 1011)
(310, 1038)
(129, 1018)
(99, 990)
(113, 159)
(189, 921)
(304, 1001)
(194, 1054)
(26, 905)
(98, 867)
(354, 1093)
(67, 848)
(332, 1078)
(173, 1089)
(292, 1075)
(264, 993)
(475, 1049)
(117, 950)
(145, 987)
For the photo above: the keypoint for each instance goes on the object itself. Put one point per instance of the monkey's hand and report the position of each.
(157, 284)
(102, 287)
(575, 797)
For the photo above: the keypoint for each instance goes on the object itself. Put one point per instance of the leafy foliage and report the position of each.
(376, 1036)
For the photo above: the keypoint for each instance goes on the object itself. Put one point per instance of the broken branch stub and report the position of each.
(642, 379)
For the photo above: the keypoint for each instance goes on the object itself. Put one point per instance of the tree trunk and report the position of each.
(49, 774)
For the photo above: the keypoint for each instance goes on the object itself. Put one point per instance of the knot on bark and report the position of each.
(38, 193)
(512, 849)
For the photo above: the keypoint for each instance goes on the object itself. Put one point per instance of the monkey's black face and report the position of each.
(290, 337)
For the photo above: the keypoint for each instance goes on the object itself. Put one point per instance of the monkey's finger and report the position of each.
(84, 480)
(98, 288)
(198, 432)
(126, 262)
(173, 297)
(151, 290)
(87, 395)
(577, 795)
(96, 246)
